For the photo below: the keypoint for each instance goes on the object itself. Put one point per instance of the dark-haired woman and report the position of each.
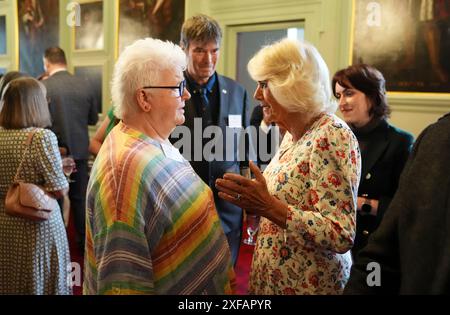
(34, 256)
(361, 92)
(8, 77)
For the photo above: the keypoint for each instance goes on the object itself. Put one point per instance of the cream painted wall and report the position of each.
(327, 25)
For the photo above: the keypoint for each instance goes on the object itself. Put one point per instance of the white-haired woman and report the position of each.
(307, 195)
(151, 224)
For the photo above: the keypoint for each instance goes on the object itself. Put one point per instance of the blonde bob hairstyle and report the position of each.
(24, 105)
(139, 65)
(296, 75)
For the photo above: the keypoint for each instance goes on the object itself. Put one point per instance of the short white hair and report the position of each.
(139, 65)
(297, 76)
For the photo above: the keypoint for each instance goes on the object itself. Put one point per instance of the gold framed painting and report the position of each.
(38, 29)
(89, 34)
(408, 41)
(150, 18)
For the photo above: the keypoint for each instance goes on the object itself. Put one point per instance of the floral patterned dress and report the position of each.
(318, 178)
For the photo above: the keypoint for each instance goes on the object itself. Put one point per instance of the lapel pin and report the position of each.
(368, 176)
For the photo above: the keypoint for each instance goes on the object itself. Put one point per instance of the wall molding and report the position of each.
(235, 13)
(251, 11)
(249, 6)
(420, 102)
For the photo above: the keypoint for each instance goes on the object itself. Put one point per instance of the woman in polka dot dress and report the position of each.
(34, 256)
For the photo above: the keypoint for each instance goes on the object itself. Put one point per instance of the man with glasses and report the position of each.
(218, 102)
(151, 225)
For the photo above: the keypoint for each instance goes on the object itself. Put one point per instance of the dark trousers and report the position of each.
(77, 196)
(234, 241)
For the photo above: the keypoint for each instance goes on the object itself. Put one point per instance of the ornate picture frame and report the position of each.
(150, 18)
(408, 41)
(89, 35)
(38, 29)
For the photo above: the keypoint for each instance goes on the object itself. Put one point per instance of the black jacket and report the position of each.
(264, 144)
(412, 244)
(386, 151)
(72, 108)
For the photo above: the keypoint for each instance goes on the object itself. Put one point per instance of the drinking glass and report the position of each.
(69, 166)
(252, 229)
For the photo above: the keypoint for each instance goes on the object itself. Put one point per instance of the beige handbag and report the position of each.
(28, 200)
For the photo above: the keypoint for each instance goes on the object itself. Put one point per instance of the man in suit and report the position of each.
(268, 136)
(72, 108)
(217, 103)
(409, 252)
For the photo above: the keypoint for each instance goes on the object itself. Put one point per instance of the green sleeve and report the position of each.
(112, 121)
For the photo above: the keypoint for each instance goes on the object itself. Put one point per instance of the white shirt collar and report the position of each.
(264, 127)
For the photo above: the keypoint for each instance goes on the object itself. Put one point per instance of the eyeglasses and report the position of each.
(262, 84)
(180, 87)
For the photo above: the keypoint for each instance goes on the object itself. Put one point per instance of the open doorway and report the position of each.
(246, 40)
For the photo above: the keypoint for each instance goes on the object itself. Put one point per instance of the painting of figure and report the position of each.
(38, 30)
(409, 41)
(150, 18)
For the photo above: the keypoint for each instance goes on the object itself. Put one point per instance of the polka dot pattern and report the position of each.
(34, 257)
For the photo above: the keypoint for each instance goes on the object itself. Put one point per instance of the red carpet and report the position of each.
(242, 268)
(243, 264)
(75, 253)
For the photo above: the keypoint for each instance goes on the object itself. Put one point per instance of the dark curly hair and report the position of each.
(369, 81)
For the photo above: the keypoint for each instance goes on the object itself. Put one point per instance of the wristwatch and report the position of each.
(366, 206)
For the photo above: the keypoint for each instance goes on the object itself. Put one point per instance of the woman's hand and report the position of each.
(373, 203)
(252, 195)
(59, 193)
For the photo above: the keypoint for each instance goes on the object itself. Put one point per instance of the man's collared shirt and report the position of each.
(212, 94)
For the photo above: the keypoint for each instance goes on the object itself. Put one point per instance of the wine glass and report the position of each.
(69, 166)
(252, 229)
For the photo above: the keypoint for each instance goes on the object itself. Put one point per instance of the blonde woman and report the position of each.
(307, 195)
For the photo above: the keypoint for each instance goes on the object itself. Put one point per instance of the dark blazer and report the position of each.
(412, 244)
(233, 100)
(72, 108)
(263, 142)
(387, 150)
